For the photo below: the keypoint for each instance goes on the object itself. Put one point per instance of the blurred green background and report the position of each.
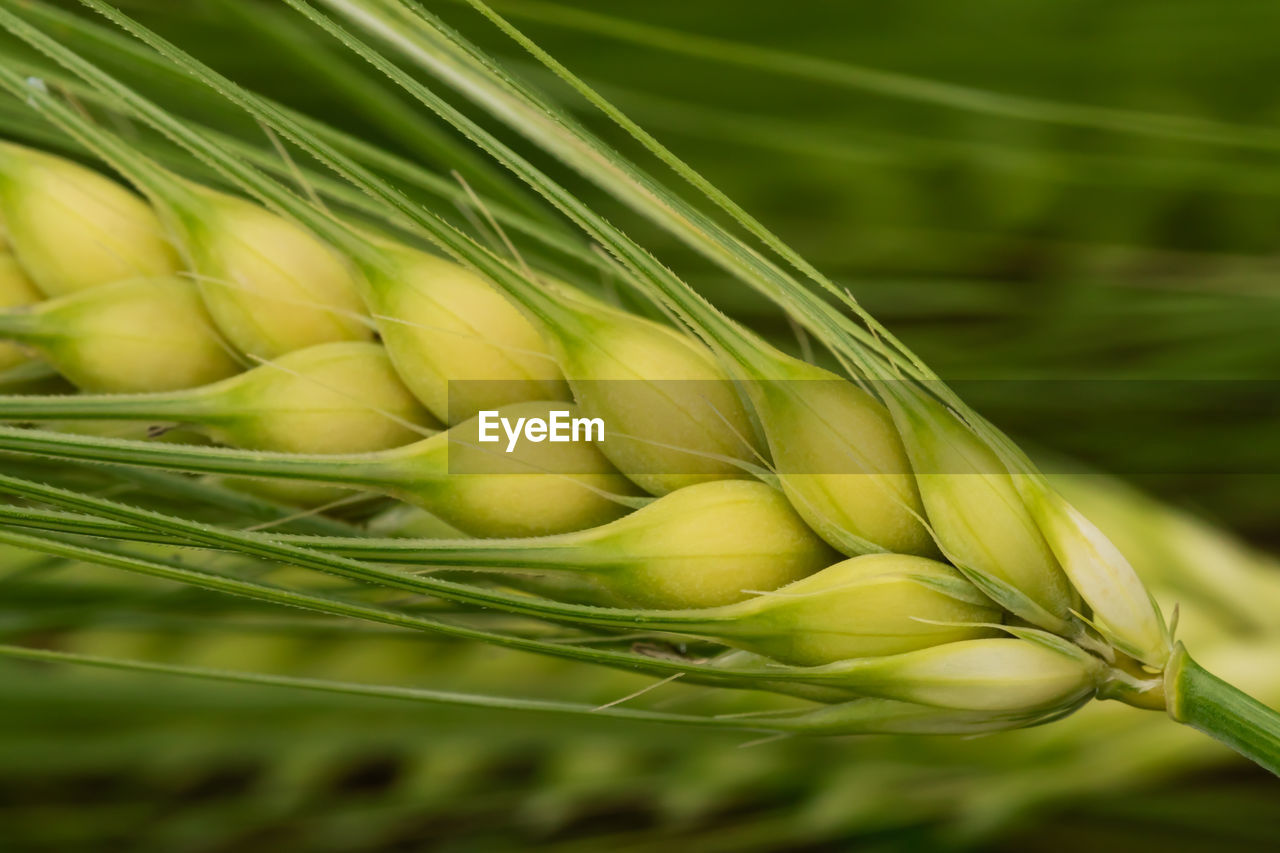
(1044, 191)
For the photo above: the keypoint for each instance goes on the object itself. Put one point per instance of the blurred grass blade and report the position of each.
(383, 109)
(376, 691)
(892, 84)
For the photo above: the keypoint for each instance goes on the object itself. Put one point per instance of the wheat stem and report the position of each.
(1200, 699)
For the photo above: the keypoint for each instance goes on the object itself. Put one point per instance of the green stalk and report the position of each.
(181, 406)
(553, 553)
(276, 516)
(383, 691)
(561, 553)
(263, 593)
(1198, 698)
(271, 548)
(356, 469)
(368, 469)
(183, 494)
(56, 521)
(22, 326)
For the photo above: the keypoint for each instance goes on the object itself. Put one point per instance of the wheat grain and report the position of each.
(332, 398)
(701, 546)
(270, 286)
(129, 336)
(443, 324)
(72, 228)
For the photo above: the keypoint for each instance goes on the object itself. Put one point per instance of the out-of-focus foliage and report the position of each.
(92, 760)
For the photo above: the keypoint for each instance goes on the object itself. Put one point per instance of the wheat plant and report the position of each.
(846, 542)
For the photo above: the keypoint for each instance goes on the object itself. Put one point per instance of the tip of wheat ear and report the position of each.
(1122, 609)
(72, 228)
